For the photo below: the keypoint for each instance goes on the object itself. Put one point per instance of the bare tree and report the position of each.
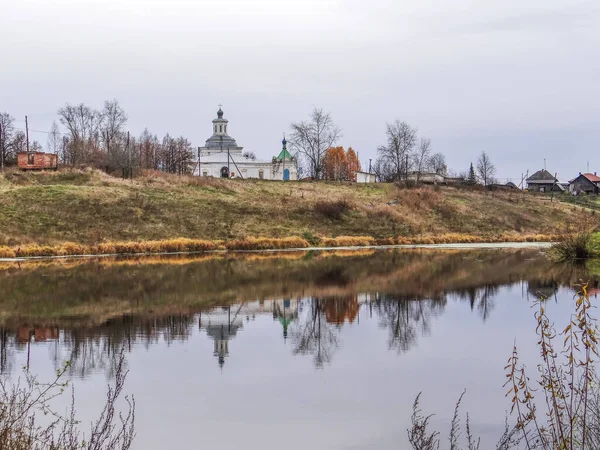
(401, 141)
(83, 123)
(422, 157)
(485, 169)
(18, 144)
(54, 140)
(383, 170)
(6, 136)
(437, 163)
(312, 139)
(115, 119)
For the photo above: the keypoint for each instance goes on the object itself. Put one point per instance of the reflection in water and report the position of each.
(406, 319)
(89, 312)
(314, 334)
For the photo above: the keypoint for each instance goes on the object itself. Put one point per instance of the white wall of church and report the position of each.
(266, 171)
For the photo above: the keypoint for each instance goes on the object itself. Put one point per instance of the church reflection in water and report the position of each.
(222, 324)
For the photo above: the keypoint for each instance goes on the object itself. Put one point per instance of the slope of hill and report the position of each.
(89, 207)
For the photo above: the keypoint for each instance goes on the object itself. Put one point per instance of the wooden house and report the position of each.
(585, 183)
(543, 181)
(37, 161)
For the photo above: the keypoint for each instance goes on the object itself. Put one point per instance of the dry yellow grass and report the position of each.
(88, 211)
(256, 244)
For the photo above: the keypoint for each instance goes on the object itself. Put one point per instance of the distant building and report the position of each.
(365, 177)
(37, 161)
(222, 157)
(543, 181)
(585, 183)
(426, 178)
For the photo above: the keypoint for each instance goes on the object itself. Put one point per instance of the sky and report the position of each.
(519, 79)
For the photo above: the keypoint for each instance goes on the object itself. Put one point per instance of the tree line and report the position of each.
(98, 138)
(404, 156)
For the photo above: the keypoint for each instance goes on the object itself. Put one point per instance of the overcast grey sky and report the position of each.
(517, 78)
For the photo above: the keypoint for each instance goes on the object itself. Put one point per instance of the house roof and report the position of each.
(542, 176)
(590, 177)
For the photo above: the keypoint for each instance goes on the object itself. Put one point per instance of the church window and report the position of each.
(261, 174)
(205, 173)
(220, 128)
(215, 128)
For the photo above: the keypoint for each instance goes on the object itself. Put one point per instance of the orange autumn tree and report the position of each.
(352, 164)
(334, 164)
(340, 165)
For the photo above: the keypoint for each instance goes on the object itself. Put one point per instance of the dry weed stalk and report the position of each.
(23, 403)
(567, 379)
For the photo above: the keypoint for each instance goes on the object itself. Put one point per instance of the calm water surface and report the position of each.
(316, 350)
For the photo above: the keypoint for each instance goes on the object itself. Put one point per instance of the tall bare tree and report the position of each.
(422, 157)
(83, 124)
(311, 140)
(437, 163)
(485, 169)
(114, 119)
(401, 142)
(54, 139)
(6, 136)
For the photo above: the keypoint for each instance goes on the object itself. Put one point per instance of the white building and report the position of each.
(365, 177)
(222, 157)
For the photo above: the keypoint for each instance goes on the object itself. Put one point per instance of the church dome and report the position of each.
(220, 113)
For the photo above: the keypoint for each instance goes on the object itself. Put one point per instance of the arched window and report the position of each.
(215, 128)
(220, 128)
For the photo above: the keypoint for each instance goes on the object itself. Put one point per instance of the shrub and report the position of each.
(332, 209)
(572, 247)
(24, 402)
(567, 414)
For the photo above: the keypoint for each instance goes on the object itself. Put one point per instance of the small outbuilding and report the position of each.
(37, 161)
(365, 177)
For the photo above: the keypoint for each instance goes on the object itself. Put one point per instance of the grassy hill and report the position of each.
(89, 207)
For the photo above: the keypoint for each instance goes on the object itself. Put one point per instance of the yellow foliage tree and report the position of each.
(352, 164)
(335, 167)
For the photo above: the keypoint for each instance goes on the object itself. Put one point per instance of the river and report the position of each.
(323, 350)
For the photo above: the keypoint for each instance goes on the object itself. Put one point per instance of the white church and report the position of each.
(222, 157)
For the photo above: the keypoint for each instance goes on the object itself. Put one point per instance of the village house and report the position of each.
(585, 183)
(37, 161)
(222, 157)
(543, 181)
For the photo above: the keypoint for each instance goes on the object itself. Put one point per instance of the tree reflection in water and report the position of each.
(406, 318)
(314, 335)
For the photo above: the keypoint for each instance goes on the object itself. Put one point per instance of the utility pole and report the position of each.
(27, 133)
(370, 165)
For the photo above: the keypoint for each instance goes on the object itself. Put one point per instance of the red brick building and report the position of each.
(37, 161)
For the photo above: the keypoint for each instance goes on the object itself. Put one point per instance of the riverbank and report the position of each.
(88, 212)
(191, 246)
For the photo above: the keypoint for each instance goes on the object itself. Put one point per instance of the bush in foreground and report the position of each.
(567, 387)
(22, 403)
